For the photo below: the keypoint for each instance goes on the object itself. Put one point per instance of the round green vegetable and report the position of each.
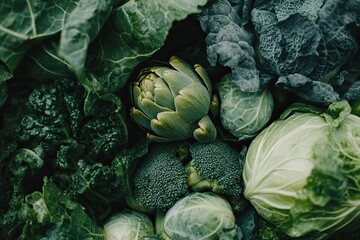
(243, 114)
(302, 173)
(128, 224)
(199, 216)
(172, 102)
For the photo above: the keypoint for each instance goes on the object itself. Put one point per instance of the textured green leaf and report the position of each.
(82, 26)
(5, 73)
(308, 8)
(235, 50)
(135, 32)
(52, 211)
(24, 22)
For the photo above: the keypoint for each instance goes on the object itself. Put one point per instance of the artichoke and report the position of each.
(172, 102)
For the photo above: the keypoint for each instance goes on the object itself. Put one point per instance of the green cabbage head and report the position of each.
(128, 224)
(199, 216)
(243, 114)
(302, 173)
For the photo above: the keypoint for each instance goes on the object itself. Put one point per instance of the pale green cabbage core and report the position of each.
(199, 216)
(302, 173)
(279, 163)
(128, 224)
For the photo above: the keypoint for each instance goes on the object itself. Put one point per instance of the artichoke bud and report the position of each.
(172, 102)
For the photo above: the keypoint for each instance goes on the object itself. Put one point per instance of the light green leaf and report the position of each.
(22, 23)
(136, 30)
(243, 114)
(81, 28)
(206, 132)
(170, 126)
(193, 102)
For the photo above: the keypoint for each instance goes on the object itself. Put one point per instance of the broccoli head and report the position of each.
(160, 179)
(217, 167)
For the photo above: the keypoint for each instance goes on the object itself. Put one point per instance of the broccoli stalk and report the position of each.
(216, 167)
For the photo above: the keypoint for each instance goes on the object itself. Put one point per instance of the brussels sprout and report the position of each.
(243, 114)
(302, 173)
(172, 102)
(199, 216)
(128, 224)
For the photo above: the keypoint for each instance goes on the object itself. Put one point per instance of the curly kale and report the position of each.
(308, 44)
(217, 167)
(48, 115)
(231, 45)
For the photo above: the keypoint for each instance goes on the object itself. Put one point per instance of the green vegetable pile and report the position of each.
(187, 119)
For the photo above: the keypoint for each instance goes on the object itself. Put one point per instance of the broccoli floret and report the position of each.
(216, 167)
(160, 180)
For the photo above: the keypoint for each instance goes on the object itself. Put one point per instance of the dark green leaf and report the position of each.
(3, 94)
(82, 26)
(52, 211)
(43, 62)
(235, 50)
(5, 73)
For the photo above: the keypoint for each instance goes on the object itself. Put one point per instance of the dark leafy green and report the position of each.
(69, 153)
(51, 213)
(305, 45)
(231, 45)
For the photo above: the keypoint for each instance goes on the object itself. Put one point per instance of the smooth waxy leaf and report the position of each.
(135, 31)
(311, 190)
(43, 62)
(81, 28)
(23, 23)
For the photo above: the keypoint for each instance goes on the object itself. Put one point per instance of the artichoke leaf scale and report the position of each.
(162, 94)
(206, 131)
(184, 68)
(150, 108)
(204, 76)
(169, 125)
(176, 80)
(193, 102)
(140, 118)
